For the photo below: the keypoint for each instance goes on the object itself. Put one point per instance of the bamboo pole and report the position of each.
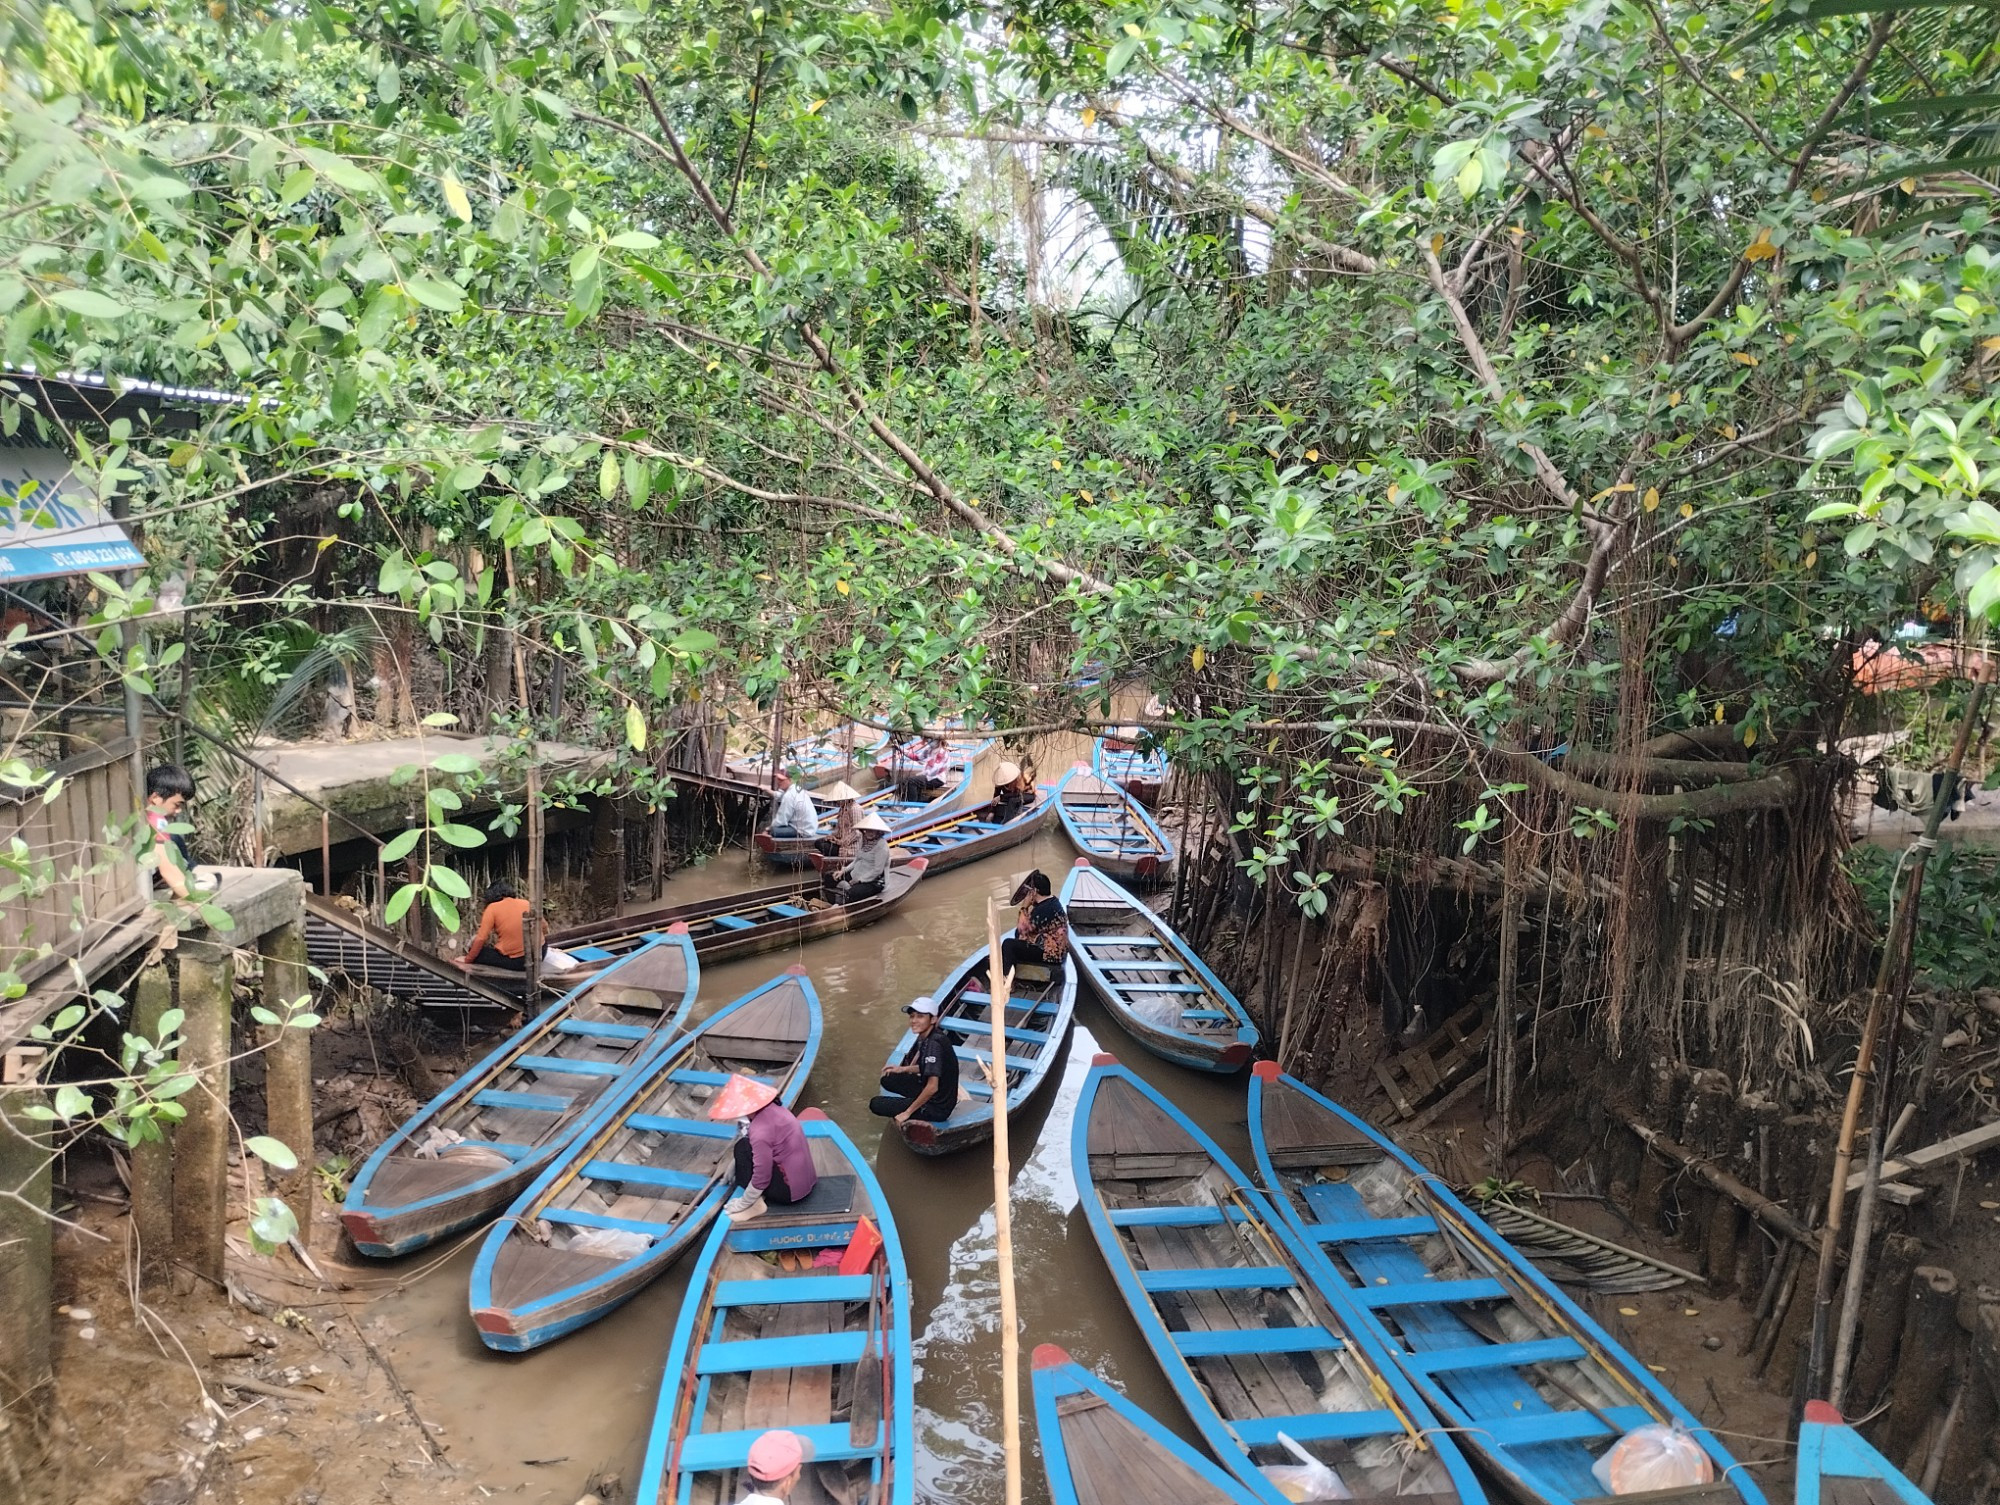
(999, 986)
(1902, 929)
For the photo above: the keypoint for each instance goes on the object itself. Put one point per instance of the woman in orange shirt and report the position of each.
(502, 923)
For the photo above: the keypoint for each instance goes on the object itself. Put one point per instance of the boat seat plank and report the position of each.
(1171, 1217)
(644, 1175)
(535, 1102)
(1323, 1426)
(752, 1355)
(712, 1452)
(984, 1030)
(790, 911)
(1014, 1063)
(1357, 1230)
(707, 1078)
(1119, 964)
(794, 1291)
(593, 1029)
(1427, 1292)
(1559, 1426)
(590, 953)
(567, 1067)
(1237, 1278)
(732, 922)
(1495, 1356)
(578, 1218)
(1212, 1345)
(653, 1123)
(1121, 940)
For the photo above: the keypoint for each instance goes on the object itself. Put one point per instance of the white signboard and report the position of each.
(51, 523)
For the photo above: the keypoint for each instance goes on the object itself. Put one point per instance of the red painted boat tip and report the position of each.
(796, 969)
(1104, 1058)
(1081, 862)
(1079, 766)
(1266, 1071)
(1048, 1356)
(813, 1115)
(1819, 1411)
(360, 1227)
(1236, 1055)
(679, 927)
(919, 1132)
(490, 1319)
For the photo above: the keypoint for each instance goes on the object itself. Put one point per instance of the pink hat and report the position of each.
(740, 1097)
(776, 1454)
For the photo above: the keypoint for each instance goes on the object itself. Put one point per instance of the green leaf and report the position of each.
(1120, 56)
(461, 836)
(402, 844)
(583, 263)
(456, 763)
(169, 1025)
(400, 902)
(272, 1224)
(71, 1102)
(607, 476)
(635, 240)
(1985, 594)
(445, 297)
(445, 910)
(215, 917)
(444, 878)
(346, 393)
(298, 183)
(635, 728)
(91, 303)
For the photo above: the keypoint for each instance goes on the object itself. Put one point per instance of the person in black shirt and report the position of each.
(925, 1083)
(1041, 935)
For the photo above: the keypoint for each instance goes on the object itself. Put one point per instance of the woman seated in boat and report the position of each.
(504, 923)
(863, 876)
(924, 1084)
(774, 1164)
(845, 840)
(777, 1461)
(1041, 934)
(1013, 790)
(793, 813)
(919, 766)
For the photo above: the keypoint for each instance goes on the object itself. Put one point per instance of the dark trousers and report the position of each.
(494, 957)
(1014, 951)
(846, 891)
(777, 1192)
(900, 1090)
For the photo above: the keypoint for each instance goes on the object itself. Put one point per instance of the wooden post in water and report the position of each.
(999, 985)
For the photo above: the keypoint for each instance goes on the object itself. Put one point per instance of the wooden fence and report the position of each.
(81, 843)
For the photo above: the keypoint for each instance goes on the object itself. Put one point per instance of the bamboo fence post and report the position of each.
(1902, 929)
(999, 985)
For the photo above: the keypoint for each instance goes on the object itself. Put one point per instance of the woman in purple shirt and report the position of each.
(773, 1161)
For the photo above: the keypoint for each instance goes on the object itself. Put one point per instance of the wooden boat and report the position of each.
(1141, 774)
(1113, 830)
(821, 756)
(1837, 1467)
(1524, 1378)
(823, 1351)
(796, 851)
(640, 1181)
(740, 924)
(1100, 1449)
(960, 836)
(1038, 1016)
(1150, 979)
(473, 1148)
(1228, 1299)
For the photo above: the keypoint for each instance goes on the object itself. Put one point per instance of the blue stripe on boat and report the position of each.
(1426, 1292)
(1170, 1217)
(652, 1123)
(753, 1355)
(1325, 1426)
(644, 1175)
(1559, 1426)
(535, 1102)
(591, 953)
(796, 1292)
(1361, 1229)
(985, 1031)
(571, 1068)
(1242, 1278)
(731, 922)
(1495, 1355)
(707, 1452)
(790, 911)
(578, 1218)
(595, 1030)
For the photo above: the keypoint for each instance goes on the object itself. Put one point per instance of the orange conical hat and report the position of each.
(740, 1097)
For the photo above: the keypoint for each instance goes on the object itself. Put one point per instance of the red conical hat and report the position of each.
(740, 1097)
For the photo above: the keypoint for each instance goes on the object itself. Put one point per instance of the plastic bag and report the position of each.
(1308, 1479)
(555, 959)
(1653, 1457)
(611, 1243)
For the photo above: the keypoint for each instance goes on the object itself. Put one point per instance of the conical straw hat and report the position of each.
(835, 793)
(871, 822)
(740, 1097)
(1006, 773)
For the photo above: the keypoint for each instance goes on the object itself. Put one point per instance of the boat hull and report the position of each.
(1830, 1452)
(1078, 1446)
(1142, 775)
(1110, 827)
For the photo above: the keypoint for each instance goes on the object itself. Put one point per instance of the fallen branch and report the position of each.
(1759, 1206)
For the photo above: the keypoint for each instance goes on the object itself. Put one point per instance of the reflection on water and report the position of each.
(534, 1426)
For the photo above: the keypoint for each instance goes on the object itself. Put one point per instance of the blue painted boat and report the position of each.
(797, 851)
(821, 757)
(1151, 980)
(473, 1148)
(1037, 1023)
(821, 1350)
(1113, 829)
(641, 1180)
(1228, 1299)
(1837, 1467)
(1527, 1380)
(1140, 771)
(1100, 1449)
(957, 837)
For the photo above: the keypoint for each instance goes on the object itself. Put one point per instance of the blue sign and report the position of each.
(51, 524)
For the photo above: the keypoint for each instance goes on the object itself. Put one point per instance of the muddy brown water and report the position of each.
(531, 1426)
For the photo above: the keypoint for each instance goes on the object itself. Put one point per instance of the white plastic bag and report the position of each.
(1308, 1479)
(1653, 1457)
(555, 959)
(611, 1243)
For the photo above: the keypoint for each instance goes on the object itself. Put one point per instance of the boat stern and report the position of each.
(1236, 1056)
(368, 1235)
(501, 1330)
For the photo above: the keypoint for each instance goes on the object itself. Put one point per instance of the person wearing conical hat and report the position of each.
(863, 876)
(773, 1161)
(846, 842)
(1012, 789)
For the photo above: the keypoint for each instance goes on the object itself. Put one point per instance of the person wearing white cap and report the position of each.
(794, 814)
(924, 1084)
(776, 1461)
(862, 876)
(1011, 789)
